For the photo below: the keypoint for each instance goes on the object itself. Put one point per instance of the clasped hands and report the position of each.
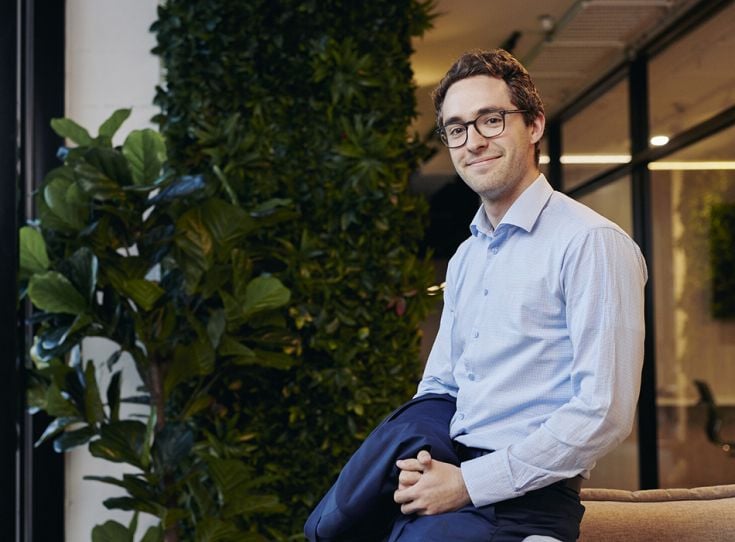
(427, 486)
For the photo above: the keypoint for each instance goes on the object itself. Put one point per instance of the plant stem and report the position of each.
(156, 389)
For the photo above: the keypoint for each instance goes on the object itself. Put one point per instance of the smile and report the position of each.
(482, 161)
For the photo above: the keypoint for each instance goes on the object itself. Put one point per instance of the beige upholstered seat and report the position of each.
(703, 514)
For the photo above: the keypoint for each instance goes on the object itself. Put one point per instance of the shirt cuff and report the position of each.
(488, 479)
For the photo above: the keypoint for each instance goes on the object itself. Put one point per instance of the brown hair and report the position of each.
(500, 64)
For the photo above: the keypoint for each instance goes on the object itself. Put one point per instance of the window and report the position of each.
(692, 342)
(597, 138)
(693, 79)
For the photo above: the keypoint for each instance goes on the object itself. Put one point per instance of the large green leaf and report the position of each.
(216, 326)
(111, 531)
(130, 504)
(69, 129)
(96, 183)
(195, 239)
(172, 445)
(121, 442)
(135, 484)
(65, 199)
(33, 254)
(146, 153)
(227, 222)
(153, 534)
(178, 188)
(190, 361)
(111, 163)
(264, 293)
(230, 474)
(51, 222)
(212, 529)
(267, 358)
(71, 439)
(144, 293)
(59, 406)
(53, 340)
(246, 502)
(81, 268)
(229, 346)
(110, 126)
(53, 292)
(94, 412)
(236, 482)
(55, 427)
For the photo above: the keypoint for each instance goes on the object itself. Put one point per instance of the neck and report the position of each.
(497, 205)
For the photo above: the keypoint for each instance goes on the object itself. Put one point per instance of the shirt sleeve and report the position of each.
(438, 374)
(603, 278)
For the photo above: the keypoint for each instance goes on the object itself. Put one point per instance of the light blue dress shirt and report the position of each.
(541, 341)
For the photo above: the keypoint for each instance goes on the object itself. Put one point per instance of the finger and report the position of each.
(402, 496)
(424, 457)
(410, 464)
(405, 499)
(412, 507)
(408, 478)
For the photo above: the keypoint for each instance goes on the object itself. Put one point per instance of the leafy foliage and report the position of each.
(311, 102)
(176, 278)
(722, 259)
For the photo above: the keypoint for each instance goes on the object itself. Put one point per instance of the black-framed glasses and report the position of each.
(490, 124)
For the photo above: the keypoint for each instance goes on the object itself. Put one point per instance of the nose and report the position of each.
(475, 140)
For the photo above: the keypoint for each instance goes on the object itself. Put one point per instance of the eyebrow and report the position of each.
(457, 119)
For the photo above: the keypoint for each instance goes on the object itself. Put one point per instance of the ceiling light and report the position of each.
(589, 159)
(547, 22)
(659, 140)
(703, 165)
(595, 159)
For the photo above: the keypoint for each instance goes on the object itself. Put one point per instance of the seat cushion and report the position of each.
(704, 514)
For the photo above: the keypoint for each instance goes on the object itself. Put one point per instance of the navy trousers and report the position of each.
(359, 507)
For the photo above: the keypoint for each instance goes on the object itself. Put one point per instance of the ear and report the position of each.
(537, 128)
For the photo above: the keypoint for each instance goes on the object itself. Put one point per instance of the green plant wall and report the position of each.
(310, 101)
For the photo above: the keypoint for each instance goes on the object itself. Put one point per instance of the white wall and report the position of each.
(108, 60)
(108, 66)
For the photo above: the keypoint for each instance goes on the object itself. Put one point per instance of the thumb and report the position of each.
(424, 457)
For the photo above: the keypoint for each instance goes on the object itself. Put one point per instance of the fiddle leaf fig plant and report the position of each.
(168, 269)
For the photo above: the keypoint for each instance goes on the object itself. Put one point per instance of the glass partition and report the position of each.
(597, 138)
(693, 213)
(693, 79)
(613, 201)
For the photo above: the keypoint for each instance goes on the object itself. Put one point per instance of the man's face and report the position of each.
(500, 168)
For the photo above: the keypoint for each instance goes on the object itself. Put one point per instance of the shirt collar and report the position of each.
(524, 211)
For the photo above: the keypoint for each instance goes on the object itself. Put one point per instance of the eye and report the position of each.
(455, 130)
(492, 119)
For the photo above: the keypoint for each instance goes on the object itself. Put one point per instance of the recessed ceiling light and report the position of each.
(659, 140)
(547, 22)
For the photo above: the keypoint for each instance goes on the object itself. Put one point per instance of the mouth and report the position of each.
(482, 161)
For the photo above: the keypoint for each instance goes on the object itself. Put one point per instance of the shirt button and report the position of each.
(495, 250)
(484, 292)
(460, 416)
(471, 377)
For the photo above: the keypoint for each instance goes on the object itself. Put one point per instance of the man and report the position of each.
(541, 336)
(540, 347)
